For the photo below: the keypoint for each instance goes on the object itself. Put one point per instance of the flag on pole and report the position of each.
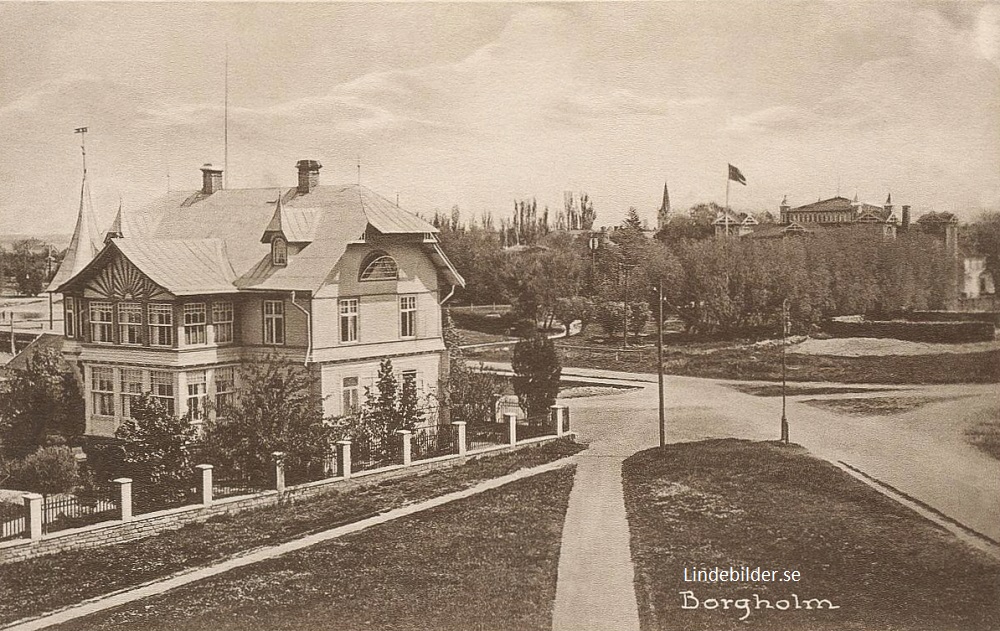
(736, 176)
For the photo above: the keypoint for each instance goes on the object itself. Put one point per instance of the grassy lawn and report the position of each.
(774, 390)
(730, 503)
(875, 406)
(986, 436)
(46, 583)
(729, 360)
(486, 562)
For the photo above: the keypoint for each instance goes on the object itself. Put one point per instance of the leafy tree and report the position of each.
(983, 236)
(610, 315)
(274, 409)
(569, 309)
(536, 374)
(638, 316)
(156, 449)
(41, 400)
(49, 470)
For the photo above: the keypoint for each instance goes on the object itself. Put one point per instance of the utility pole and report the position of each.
(625, 267)
(659, 363)
(784, 334)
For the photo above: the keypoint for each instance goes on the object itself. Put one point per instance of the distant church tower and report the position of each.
(663, 215)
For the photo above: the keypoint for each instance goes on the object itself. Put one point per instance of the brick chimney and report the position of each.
(906, 218)
(308, 175)
(211, 179)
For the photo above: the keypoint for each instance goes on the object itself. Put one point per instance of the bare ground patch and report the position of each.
(875, 406)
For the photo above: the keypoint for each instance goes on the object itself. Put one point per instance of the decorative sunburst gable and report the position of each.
(119, 279)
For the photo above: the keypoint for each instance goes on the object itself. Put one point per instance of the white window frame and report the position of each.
(197, 390)
(223, 330)
(279, 251)
(224, 380)
(163, 388)
(274, 322)
(101, 325)
(408, 317)
(157, 327)
(102, 390)
(69, 316)
(350, 319)
(132, 382)
(195, 324)
(130, 323)
(350, 398)
(381, 267)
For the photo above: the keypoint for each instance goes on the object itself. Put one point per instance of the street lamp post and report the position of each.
(784, 334)
(659, 363)
(594, 243)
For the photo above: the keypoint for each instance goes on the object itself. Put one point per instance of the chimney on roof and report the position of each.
(906, 218)
(308, 175)
(211, 179)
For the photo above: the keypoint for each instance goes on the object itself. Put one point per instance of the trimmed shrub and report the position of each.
(945, 332)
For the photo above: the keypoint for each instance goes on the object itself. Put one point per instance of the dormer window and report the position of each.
(279, 251)
(380, 267)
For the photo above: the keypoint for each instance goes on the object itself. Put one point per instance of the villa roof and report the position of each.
(213, 243)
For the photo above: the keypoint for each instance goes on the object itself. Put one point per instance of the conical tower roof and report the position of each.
(84, 245)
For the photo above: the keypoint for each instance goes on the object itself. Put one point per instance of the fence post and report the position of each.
(33, 515)
(512, 426)
(344, 459)
(555, 419)
(279, 471)
(125, 497)
(461, 446)
(406, 436)
(206, 483)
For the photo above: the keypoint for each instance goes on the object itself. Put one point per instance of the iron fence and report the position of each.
(232, 485)
(434, 441)
(73, 512)
(481, 435)
(534, 427)
(375, 452)
(12, 521)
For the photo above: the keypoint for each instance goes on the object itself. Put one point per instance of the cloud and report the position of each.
(36, 96)
(779, 118)
(987, 33)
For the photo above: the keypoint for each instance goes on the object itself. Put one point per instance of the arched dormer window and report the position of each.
(279, 251)
(379, 266)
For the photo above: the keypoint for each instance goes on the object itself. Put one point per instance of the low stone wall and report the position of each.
(146, 525)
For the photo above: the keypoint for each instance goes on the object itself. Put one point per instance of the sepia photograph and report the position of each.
(500, 316)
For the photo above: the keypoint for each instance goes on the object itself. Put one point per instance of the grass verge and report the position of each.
(38, 585)
(774, 390)
(763, 363)
(986, 436)
(875, 406)
(486, 562)
(730, 503)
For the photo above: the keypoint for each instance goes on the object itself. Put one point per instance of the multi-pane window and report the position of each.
(222, 321)
(350, 395)
(100, 322)
(225, 387)
(195, 324)
(381, 268)
(131, 388)
(102, 389)
(349, 320)
(130, 323)
(408, 316)
(196, 391)
(279, 251)
(69, 321)
(162, 388)
(161, 325)
(274, 322)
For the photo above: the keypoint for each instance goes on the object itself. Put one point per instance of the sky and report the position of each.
(479, 104)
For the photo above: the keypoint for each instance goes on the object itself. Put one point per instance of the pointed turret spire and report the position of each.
(274, 227)
(115, 231)
(86, 241)
(663, 215)
(888, 200)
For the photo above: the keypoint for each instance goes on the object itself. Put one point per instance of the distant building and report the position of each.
(663, 214)
(334, 277)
